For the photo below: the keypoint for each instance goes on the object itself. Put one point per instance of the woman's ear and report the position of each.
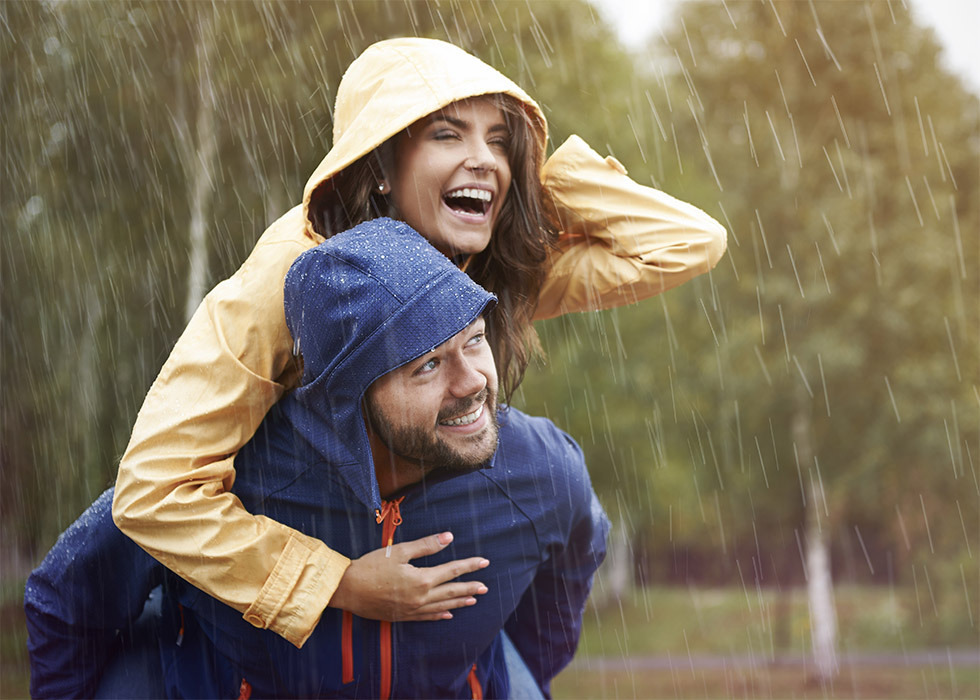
(384, 169)
(384, 157)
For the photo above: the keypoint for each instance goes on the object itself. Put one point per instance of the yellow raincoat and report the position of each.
(620, 243)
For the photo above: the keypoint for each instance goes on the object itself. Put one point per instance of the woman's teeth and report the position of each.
(464, 420)
(482, 195)
(469, 200)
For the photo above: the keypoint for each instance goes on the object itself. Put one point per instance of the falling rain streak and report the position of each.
(151, 144)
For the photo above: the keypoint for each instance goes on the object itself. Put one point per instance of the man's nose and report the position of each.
(467, 379)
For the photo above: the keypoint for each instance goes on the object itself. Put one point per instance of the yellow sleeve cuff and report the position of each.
(298, 589)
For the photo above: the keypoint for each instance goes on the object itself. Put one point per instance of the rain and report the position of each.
(786, 445)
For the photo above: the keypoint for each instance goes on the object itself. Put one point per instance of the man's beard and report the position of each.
(424, 447)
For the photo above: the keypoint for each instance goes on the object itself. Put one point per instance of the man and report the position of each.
(393, 433)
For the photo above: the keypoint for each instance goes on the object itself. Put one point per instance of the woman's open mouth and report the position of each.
(469, 200)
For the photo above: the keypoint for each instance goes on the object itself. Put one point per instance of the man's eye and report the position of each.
(426, 367)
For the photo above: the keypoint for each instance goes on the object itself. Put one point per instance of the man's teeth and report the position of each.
(482, 195)
(464, 420)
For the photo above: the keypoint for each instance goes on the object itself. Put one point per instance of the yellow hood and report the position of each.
(395, 83)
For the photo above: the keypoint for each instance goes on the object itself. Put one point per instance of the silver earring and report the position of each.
(383, 187)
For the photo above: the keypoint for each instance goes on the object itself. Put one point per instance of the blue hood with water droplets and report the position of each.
(358, 306)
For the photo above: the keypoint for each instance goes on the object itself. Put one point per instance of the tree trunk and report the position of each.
(820, 585)
(200, 161)
(620, 562)
(615, 576)
(820, 592)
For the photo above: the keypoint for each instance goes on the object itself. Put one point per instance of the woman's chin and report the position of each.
(460, 240)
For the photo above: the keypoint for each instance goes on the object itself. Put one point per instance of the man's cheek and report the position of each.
(404, 403)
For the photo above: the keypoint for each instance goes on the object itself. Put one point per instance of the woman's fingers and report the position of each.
(448, 595)
(427, 617)
(438, 575)
(422, 547)
(382, 585)
(441, 610)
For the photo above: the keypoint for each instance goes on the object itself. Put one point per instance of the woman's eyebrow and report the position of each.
(462, 123)
(453, 121)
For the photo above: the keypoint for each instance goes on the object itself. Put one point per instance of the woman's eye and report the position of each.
(444, 135)
(477, 339)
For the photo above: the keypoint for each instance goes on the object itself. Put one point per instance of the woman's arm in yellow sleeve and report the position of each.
(620, 242)
(172, 494)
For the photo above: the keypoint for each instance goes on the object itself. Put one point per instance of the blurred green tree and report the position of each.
(846, 161)
(146, 147)
(815, 395)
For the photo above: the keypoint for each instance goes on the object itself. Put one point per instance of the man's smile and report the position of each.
(465, 420)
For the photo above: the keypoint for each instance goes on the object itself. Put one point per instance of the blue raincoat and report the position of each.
(360, 305)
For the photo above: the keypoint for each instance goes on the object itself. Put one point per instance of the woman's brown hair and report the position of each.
(512, 266)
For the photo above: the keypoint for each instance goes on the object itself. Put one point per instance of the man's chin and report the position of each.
(472, 462)
(475, 457)
(476, 452)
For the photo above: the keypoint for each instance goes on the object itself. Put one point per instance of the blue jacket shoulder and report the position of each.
(535, 443)
(542, 469)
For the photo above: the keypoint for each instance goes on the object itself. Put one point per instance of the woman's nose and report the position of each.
(480, 157)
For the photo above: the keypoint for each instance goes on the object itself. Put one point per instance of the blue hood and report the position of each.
(359, 305)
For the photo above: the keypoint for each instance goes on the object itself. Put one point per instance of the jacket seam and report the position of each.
(534, 526)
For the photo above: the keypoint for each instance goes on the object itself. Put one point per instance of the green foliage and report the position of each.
(844, 161)
(842, 158)
(850, 199)
(100, 153)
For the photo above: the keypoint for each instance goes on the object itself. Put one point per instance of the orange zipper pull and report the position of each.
(391, 517)
(390, 514)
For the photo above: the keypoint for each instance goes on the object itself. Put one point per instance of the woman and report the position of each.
(429, 134)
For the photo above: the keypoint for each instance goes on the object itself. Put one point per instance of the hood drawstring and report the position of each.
(391, 516)
(476, 690)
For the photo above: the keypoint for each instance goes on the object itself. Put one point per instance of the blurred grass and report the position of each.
(678, 622)
(675, 623)
(763, 622)
(880, 682)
